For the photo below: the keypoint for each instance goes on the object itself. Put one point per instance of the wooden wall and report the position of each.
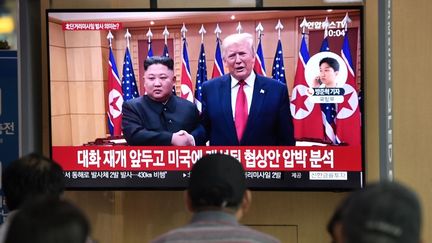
(412, 51)
(79, 77)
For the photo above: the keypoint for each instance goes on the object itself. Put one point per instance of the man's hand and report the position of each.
(316, 82)
(182, 138)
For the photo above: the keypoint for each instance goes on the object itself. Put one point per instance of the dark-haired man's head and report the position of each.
(159, 78)
(382, 213)
(217, 182)
(48, 220)
(329, 69)
(330, 61)
(166, 61)
(30, 177)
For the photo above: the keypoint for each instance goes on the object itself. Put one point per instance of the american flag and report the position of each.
(329, 119)
(329, 109)
(150, 50)
(259, 66)
(165, 51)
(186, 81)
(348, 113)
(129, 86)
(166, 54)
(306, 115)
(201, 77)
(218, 68)
(115, 98)
(278, 71)
(325, 45)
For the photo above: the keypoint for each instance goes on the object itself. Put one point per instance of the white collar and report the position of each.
(250, 80)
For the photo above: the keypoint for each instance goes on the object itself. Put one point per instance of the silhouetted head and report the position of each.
(48, 220)
(382, 213)
(217, 181)
(30, 177)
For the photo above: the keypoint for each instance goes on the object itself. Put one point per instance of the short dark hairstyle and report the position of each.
(166, 61)
(386, 212)
(48, 220)
(217, 181)
(30, 177)
(333, 63)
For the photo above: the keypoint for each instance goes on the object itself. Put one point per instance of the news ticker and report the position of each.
(179, 179)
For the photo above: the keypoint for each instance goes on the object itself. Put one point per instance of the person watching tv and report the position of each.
(30, 177)
(218, 198)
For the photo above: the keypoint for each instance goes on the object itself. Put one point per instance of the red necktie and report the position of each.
(241, 110)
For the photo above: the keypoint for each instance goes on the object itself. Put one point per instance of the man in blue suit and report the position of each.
(242, 108)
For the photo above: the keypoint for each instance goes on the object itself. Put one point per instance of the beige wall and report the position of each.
(137, 216)
(79, 78)
(412, 52)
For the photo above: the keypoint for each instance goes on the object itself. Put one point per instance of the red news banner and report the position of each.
(137, 158)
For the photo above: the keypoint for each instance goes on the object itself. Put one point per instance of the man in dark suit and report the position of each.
(159, 117)
(242, 108)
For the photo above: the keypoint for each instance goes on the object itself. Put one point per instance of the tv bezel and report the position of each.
(123, 186)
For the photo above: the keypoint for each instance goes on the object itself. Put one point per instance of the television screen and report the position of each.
(303, 130)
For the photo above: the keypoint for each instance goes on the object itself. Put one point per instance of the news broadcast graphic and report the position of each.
(317, 54)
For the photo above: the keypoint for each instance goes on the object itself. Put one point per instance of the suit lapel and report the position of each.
(225, 91)
(258, 97)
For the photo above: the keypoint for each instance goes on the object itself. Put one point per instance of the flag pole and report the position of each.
(202, 31)
(165, 33)
(127, 36)
(279, 27)
(239, 28)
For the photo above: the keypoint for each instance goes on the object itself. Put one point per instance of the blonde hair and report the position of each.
(237, 38)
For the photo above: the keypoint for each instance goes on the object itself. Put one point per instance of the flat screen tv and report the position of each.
(96, 63)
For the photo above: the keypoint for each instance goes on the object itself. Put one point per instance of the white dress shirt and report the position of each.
(248, 89)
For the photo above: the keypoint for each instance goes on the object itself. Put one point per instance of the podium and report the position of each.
(108, 141)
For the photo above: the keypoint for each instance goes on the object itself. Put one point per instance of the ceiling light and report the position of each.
(6, 24)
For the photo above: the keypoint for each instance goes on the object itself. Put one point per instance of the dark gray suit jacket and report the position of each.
(147, 122)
